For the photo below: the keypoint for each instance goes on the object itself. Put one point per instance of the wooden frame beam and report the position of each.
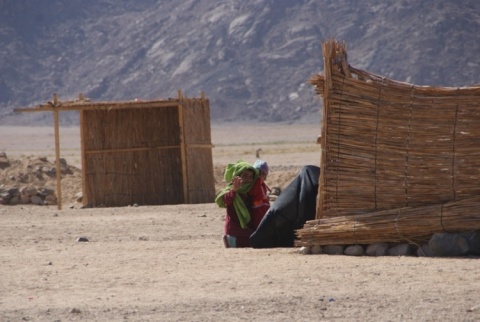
(97, 106)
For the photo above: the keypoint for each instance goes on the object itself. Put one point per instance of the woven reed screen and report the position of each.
(201, 186)
(388, 144)
(149, 156)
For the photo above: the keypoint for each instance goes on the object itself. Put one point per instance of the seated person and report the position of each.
(259, 194)
(241, 177)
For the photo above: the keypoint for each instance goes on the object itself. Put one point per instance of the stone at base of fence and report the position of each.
(443, 244)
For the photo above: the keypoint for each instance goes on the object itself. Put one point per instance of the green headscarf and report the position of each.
(233, 170)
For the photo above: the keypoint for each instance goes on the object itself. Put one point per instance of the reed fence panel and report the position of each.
(388, 144)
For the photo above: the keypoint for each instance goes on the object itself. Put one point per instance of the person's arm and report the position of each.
(228, 197)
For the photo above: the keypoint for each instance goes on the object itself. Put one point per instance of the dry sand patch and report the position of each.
(167, 263)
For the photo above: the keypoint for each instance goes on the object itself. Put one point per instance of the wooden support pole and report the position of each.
(57, 160)
(328, 49)
(83, 156)
(183, 153)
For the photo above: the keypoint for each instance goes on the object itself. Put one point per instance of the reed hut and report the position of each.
(153, 152)
(394, 155)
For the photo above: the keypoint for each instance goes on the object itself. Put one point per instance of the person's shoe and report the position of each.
(230, 241)
(225, 241)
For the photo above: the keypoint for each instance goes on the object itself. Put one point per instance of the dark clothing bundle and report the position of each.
(295, 206)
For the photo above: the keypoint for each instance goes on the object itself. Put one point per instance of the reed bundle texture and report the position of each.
(388, 144)
(150, 155)
(414, 225)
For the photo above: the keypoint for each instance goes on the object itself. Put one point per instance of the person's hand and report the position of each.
(236, 183)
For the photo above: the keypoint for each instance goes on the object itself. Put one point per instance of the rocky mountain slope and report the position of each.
(252, 58)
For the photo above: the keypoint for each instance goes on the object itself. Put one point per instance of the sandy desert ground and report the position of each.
(167, 263)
